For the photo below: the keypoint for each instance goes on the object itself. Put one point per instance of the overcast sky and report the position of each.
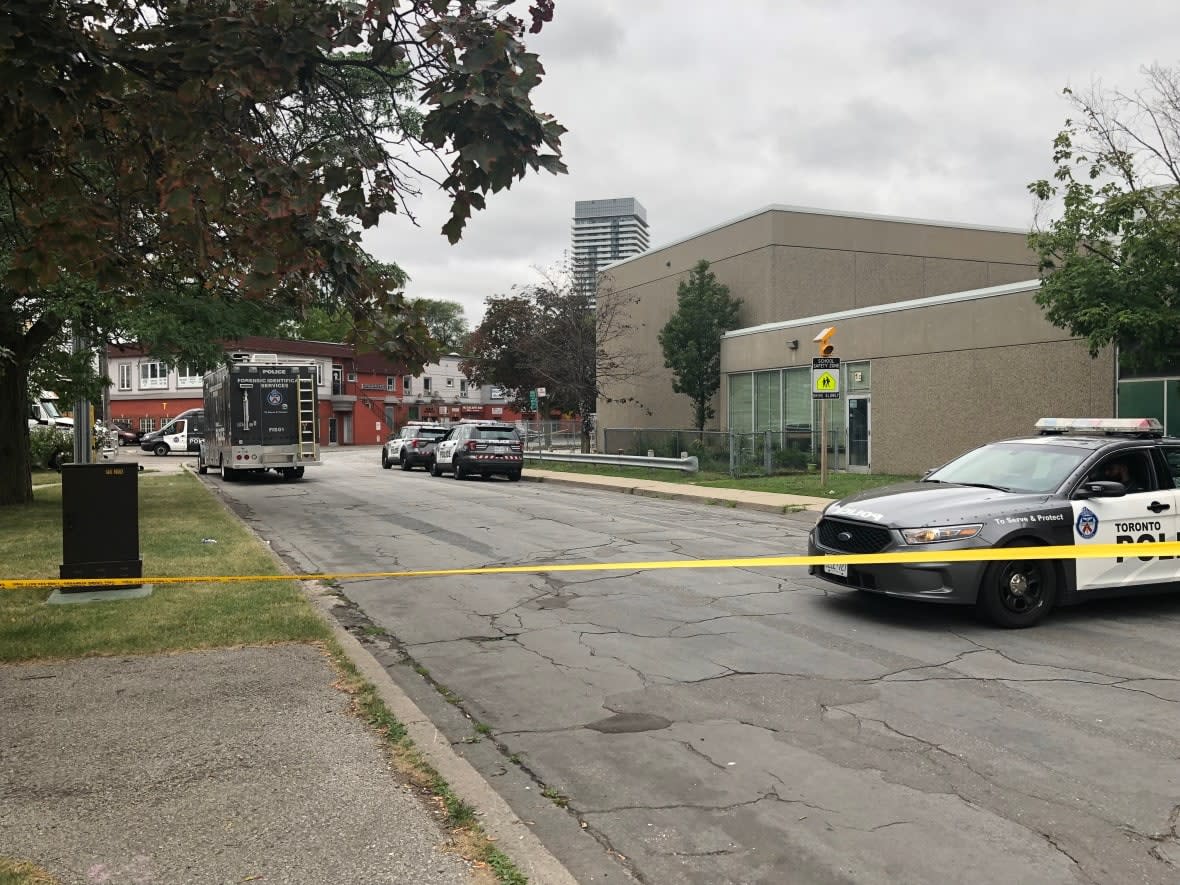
(707, 111)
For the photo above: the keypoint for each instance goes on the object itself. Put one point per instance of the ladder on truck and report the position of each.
(305, 388)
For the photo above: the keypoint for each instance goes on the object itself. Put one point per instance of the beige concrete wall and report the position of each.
(790, 264)
(948, 377)
(929, 408)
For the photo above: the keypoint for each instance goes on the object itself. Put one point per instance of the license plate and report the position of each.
(840, 571)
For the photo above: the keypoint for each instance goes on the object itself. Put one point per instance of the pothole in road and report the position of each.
(629, 723)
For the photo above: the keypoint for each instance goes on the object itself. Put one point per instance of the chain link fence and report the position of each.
(551, 436)
(763, 453)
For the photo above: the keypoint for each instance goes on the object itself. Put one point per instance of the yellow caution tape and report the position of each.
(1145, 551)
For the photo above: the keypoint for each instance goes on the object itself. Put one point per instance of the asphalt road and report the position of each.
(739, 726)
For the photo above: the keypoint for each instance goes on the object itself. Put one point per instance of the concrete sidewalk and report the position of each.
(741, 498)
(228, 765)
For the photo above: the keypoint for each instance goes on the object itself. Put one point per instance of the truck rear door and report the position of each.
(267, 403)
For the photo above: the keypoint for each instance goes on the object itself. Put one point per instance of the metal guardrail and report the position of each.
(687, 465)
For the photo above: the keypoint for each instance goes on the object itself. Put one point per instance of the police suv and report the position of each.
(1080, 481)
(480, 448)
(413, 445)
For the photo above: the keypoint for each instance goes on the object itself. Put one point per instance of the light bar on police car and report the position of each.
(1100, 425)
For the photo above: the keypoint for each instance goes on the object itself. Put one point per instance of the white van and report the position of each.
(43, 411)
(182, 434)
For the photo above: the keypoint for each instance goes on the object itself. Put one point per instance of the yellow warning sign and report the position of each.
(825, 384)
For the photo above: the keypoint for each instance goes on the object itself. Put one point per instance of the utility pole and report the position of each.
(82, 428)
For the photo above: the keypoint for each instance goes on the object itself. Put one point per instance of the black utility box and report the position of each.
(100, 522)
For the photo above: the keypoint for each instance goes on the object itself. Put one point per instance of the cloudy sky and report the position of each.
(941, 109)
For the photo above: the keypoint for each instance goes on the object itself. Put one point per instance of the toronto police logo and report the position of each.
(275, 397)
(1087, 524)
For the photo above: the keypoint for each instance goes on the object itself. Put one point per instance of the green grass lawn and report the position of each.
(175, 515)
(839, 485)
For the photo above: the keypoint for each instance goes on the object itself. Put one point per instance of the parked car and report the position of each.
(413, 445)
(483, 449)
(1082, 481)
(124, 436)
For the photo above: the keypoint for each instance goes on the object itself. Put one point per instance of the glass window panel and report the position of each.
(741, 403)
(767, 400)
(797, 398)
(857, 377)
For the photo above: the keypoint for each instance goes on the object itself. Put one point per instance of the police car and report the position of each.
(413, 445)
(480, 448)
(1080, 481)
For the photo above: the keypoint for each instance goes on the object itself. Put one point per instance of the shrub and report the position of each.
(50, 446)
(790, 459)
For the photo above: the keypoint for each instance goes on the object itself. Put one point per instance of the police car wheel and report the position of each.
(405, 465)
(385, 462)
(161, 449)
(459, 472)
(434, 471)
(1018, 593)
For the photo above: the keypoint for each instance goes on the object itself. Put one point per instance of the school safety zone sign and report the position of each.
(825, 377)
(1127, 520)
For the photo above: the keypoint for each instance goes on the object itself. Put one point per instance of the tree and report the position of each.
(691, 339)
(352, 322)
(318, 324)
(1110, 263)
(445, 322)
(176, 173)
(555, 335)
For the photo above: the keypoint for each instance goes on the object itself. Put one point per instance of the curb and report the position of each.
(785, 509)
(499, 821)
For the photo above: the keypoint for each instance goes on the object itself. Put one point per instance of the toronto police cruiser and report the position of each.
(1080, 481)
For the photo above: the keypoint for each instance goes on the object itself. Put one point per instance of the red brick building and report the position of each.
(362, 397)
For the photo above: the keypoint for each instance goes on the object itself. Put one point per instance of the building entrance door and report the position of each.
(858, 433)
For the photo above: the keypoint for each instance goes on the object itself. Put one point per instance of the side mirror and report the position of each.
(1100, 488)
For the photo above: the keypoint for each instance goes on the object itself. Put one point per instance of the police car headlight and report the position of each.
(941, 533)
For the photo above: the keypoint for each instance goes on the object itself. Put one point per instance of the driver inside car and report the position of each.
(1118, 470)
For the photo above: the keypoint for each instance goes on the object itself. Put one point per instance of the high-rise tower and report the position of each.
(606, 231)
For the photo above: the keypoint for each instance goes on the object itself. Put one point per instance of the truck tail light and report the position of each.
(472, 445)
(413, 444)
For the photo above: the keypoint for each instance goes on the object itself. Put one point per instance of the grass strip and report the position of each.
(470, 838)
(839, 485)
(20, 872)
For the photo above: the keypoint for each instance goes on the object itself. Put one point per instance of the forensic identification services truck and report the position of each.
(260, 415)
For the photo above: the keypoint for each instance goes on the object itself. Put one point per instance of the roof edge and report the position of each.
(890, 307)
(811, 210)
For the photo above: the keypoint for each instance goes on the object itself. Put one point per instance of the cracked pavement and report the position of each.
(759, 726)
